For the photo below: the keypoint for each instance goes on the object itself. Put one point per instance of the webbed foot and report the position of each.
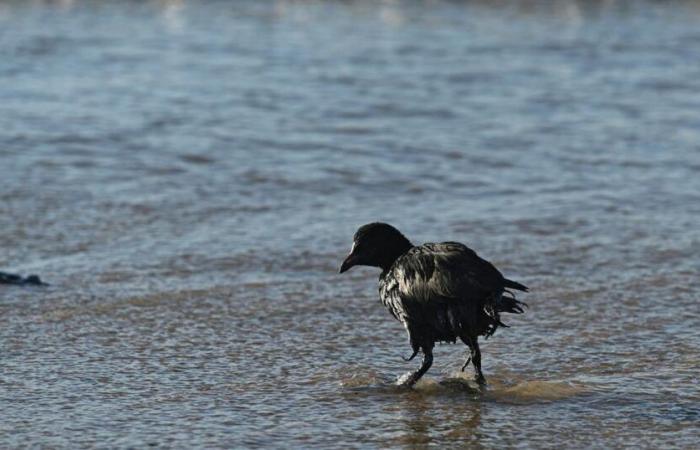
(407, 380)
(410, 379)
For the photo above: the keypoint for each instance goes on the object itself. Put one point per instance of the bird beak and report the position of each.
(348, 263)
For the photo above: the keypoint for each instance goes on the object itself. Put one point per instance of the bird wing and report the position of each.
(438, 272)
(444, 291)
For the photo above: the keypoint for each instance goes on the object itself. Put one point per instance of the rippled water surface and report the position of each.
(188, 176)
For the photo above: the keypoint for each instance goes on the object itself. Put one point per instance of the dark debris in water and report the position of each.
(30, 280)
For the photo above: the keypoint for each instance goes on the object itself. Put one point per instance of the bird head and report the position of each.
(377, 245)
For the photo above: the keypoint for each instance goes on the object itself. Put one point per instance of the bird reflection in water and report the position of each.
(429, 419)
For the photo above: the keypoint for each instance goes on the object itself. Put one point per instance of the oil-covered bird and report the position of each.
(440, 292)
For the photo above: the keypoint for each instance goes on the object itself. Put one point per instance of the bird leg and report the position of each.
(415, 352)
(476, 360)
(466, 363)
(427, 362)
(474, 357)
(414, 345)
(467, 341)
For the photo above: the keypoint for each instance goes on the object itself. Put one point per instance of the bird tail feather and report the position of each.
(515, 285)
(505, 302)
(508, 303)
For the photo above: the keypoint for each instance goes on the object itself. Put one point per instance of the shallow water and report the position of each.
(188, 175)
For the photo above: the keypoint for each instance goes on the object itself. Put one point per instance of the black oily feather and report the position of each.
(440, 292)
(445, 291)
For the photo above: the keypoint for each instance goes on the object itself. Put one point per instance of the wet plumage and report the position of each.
(440, 292)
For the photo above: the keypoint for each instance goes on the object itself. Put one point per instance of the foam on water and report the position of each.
(458, 383)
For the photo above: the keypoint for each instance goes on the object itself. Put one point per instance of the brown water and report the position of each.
(188, 176)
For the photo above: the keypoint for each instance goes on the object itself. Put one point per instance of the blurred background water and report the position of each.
(188, 175)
